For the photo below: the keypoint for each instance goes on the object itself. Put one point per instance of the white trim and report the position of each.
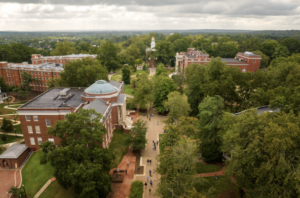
(42, 112)
(239, 55)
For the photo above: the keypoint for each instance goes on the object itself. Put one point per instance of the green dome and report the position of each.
(101, 87)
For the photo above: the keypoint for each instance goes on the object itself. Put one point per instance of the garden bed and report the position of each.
(138, 169)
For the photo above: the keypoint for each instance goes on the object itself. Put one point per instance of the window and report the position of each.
(38, 73)
(39, 78)
(37, 129)
(54, 74)
(42, 78)
(57, 74)
(40, 140)
(34, 88)
(29, 129)
(38, 89)
(44, 89)
(254, 61)
(43, 84)
(7, 75)
(48, 74)
(41, 73)
(27, 118)
(34, 73)
(35, 118)
(48, 123)
(45, 78)
(10, 75)
(51, 140)
(32, 141)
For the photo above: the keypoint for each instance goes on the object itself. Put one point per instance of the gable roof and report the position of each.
(14, 151)
(99, 105)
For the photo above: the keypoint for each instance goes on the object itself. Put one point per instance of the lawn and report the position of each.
(9, 111)
(36, 175)
(56, 191)
(17, 127)
(9, 138)
(207, 168)
(117, 77)
(128, 90)
(117, 147)
(223, 185)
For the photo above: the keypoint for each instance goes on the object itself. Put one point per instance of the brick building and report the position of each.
(245, 61)
(106, 98)
(42, 68)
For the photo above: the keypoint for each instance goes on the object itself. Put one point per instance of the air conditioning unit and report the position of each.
(65, 93)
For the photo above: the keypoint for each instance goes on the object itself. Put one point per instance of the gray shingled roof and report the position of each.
(121, 98)
(115, 83)
(99, 106)
(14, 151)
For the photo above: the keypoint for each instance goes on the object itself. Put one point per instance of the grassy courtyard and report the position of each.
(207, 168)
(222, 187)
(9, 139)
(56, 191)
(117, 146)
(36, 175)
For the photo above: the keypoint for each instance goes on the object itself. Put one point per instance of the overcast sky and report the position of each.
(33, 15)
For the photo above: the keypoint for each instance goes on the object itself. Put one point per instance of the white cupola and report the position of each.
(153, 43)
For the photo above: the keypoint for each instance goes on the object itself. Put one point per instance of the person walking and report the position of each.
(154, 143)
(125, 171)
(216, 177)
(150, 161)
(157, 142)
(127, 163)
(147, 177)
(151, 183)
(145, 184)
(150, 173)
(153, 147)
(149, 190)
(147, 161)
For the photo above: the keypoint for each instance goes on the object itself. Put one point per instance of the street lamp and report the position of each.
(24, 190)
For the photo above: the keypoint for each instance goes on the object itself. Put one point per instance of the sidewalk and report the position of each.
(153, 134)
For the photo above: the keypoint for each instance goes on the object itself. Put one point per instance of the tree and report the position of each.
(3, 85)
(133, 51)
(143, 91)
(177, 105)
(7, 125)
(54, 82)
(163, 86)
(226, 49)
(27, 79)
(292, 44)
(211, 111)
(16, 53)
(179, 81)
(23, 94)
(82, 73)
(281, 51)
(137, 139)
(164, 51)
(174, 37)
(269, 46)
(180, 45)
(126, 75)
(108, 56)
(79, 160)
(63, 48)
(264, 152)
(161, 70)
(178, 164)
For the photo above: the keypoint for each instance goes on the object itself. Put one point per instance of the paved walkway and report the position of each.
(8, 178)
(122, 190)
(152, 135)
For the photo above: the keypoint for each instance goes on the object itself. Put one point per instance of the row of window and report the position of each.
(36, 118)
(38, 84)
(40, 73)
(39, 89)
(39, 140)
(51, 61)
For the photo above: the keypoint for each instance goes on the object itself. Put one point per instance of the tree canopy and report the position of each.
(137, 139)
(108, 56)
(79, 160)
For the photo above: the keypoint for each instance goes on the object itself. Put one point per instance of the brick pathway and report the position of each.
(122, 190)
(153, 134)
(7, 180)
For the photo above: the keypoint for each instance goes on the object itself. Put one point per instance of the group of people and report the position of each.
(151, 115)
(151, 183)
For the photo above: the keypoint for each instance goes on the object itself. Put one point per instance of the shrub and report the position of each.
(3, 138)
(137, 189)
(7, 125)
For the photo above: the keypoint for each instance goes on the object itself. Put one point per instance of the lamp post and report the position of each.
(24, 190)
(15, 132)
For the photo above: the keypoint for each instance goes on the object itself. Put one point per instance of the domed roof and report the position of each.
(101, 87)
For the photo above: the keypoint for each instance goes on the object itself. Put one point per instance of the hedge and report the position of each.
(137, 189)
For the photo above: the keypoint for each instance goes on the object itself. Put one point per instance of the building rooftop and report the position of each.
(191, 56)
(233, 60)
(99, 105)
(70, 56)
(121, 98)
(52, 99)
(14, 151)
(101, 87)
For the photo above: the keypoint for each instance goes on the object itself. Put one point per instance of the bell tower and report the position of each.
(153, 43)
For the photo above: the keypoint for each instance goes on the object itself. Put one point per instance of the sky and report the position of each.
(55, 15)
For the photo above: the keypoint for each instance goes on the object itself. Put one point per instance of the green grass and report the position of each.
(117, 77)
(9, 111)
(36, 175)
(56, 191)
(17, 127)
(219, 186)
(117, 147)
(207, 168)
(9, 139)
(2, 149)
(128, 90)
(161, 147)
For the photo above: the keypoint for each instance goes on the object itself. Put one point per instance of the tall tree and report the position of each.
(82, 73)
(108, 56)
(180, 45)
(161, 70)
(63, 48)
(80, 161)
(126, 75)
(137, 139)
(177, 106)
(264, 152)
(27, 79)
(134, 51)
(269, 46)
(163, 86)
(143, 91)
(164, 51)
(211, 111)
(3, 85)
(265, 59)
(281, 51)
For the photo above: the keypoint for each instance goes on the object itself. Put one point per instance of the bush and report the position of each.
(7, 125)
(137, 189)
(3, 138)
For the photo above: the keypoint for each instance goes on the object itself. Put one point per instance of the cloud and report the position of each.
(146, 14)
